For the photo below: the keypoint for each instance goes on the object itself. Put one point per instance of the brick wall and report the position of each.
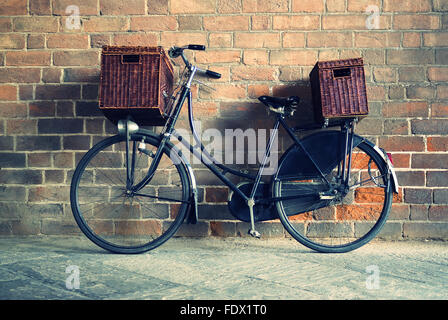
(49, 70)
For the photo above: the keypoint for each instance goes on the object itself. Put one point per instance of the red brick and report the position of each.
(153, 23)
(69, 41)
(257, 40)
(373, 39)
(122, 7)
(416, 22)
(351, 22)
(180, 39)
(225, 92)
(438, 213)
(229, 6)
(405, 109)
(218, 56)
(5, 24)
(158, 7)
(411, 39)
(261, 22)
(265, 6)
(40, 7)
(439, 39)
(28, 58)
(253, 73)
(86, 7)
(439, 110)
(12, 41)
(51, 75)
(293, 57)
(13, 8)
(8, 92)
(190, 23)
(105, 24)
(192, 6)
(305, 22)
(407, 6)
(402, 143)
(437, 144)
(36, 41)
(213, 194)
(401, 160)
(440, 5)
(256, 90)
(329, 39)
(256, 57)
(39, 159)
(20, 75)
(21, 126)
(226, 23)
(385, 74)
(361, 5)
(442, 91)
(75, 58)
(438, 74)
(220, 40)
(136, 39)
(335, 5)
(311, 6)
(36, 24)
(13, 110)
(410, 56)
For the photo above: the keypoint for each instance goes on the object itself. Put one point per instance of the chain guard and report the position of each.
(262, 212)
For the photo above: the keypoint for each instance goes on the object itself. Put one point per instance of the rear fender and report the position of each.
(319, 145)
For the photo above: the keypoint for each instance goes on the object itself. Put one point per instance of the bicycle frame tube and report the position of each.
(205, 157)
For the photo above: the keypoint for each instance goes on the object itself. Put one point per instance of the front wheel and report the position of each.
(119, 219)
(326, 218)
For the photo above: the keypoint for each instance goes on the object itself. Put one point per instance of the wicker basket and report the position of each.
(339, 89)
(136, 82)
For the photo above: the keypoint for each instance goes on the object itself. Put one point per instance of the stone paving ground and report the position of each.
(47, 268)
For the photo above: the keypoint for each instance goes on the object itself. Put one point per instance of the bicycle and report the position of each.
(332, 190)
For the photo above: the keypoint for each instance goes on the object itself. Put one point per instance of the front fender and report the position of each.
(192, 215)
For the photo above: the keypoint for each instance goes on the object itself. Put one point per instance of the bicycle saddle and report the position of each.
(274, 102)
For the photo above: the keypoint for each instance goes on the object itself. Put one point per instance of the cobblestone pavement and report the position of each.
(221, 269)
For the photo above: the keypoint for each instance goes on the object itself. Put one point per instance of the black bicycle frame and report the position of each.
(213, 165)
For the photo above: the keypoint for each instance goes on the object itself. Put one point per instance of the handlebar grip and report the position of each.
(213, 74)
(196, 47)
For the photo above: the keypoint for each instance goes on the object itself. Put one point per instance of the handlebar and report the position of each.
(175, 52)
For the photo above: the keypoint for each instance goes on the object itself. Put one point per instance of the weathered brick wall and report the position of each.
(49, 87)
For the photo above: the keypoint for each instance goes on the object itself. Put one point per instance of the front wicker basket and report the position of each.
(339, 89)
(136, 82)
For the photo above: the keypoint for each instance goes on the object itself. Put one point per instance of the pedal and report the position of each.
(254, 233)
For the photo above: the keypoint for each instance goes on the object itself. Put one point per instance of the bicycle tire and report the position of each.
(174, 221)
(300, 230)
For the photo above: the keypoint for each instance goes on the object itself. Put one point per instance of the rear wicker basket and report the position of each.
(136, 82)
(339, 89)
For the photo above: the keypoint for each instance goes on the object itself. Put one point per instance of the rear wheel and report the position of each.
(330, 219)
(120, 220)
